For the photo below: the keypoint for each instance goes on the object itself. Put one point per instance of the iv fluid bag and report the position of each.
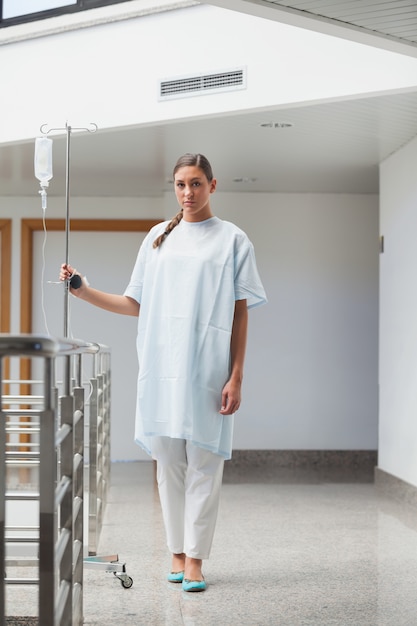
(43, 159)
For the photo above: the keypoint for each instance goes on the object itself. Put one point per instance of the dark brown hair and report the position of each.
(188, 159)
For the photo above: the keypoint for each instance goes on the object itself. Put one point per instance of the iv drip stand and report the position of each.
(68, 129)
(109, 564)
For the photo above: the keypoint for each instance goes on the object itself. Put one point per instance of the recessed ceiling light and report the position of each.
(277, 125)
(244, 179)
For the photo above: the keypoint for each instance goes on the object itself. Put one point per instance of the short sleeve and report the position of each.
(135, 286)
(248, 285)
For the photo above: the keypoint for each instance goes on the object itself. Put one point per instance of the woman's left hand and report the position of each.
(230, 398)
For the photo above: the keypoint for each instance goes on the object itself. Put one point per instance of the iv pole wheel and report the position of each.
(126, 580)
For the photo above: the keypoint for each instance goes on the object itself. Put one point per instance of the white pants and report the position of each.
(189, 481)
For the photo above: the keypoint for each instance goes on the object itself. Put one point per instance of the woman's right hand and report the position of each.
(125, 305)
(66, 273)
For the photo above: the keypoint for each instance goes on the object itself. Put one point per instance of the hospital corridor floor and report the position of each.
(292, 549)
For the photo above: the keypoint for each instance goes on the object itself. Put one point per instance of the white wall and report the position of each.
(91, 323)
(311, 373)
(113, 274)
(398, 315)
(311, 370)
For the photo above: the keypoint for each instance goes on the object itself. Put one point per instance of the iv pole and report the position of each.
(68, 129)
(106, 563)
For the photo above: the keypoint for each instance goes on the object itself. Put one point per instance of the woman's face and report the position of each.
(193, 193)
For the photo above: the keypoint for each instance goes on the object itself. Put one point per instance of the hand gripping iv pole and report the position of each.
(43, 171)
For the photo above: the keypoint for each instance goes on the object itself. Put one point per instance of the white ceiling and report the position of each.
(333, 147)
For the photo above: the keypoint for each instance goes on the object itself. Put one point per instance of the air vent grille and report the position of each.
(196, 85)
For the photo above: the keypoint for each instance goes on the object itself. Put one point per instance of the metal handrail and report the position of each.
(59, 428)
(44, 345)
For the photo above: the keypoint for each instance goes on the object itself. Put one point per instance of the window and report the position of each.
(15, 8)
(18, 11)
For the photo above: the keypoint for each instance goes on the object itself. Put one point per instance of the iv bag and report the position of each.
(43, 160)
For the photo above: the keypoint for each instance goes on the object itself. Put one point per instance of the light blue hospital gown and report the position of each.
(187, 290)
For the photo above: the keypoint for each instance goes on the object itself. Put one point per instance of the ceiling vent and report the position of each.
(202, 84)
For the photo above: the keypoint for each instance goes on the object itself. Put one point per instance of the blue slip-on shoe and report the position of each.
(193, 585)
(176, 577)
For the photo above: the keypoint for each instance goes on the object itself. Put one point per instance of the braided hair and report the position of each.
(188, 159)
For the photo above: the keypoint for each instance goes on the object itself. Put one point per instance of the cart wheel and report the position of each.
(127, 582)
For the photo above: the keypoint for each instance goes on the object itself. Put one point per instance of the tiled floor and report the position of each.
(298, 549)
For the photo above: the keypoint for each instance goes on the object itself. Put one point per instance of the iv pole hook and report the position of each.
(91, 129)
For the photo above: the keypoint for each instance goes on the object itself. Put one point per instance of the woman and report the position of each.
(194, 279)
